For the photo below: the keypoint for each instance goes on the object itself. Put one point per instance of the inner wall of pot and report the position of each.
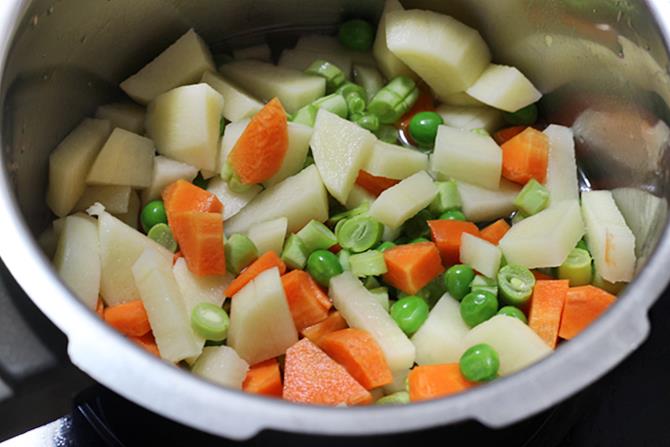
(601, 65)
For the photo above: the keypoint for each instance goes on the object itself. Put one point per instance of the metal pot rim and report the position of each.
(178, 395)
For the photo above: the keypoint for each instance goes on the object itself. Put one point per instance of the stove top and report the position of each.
(627, 407)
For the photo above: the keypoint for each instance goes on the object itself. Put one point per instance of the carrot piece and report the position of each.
(424, 103)
(373, 184)
(504, 135)
(316, 332)
(583, 305)
(260, 150)
(433, 381)
(263, 263)
(525, 157)
(264, 378)
(128, 318)
(183, 196)
(310, 376)
(447, 236)
(541, 276)
(100, 308)
(494, 232)
(148, 342)
(546, 307)
(360, 355)
(306, 301)
(410, 267)
(200, 237)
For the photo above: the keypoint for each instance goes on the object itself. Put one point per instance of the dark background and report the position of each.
(627, 407)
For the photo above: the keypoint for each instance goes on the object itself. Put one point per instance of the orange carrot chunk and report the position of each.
(447, 236)
(128, 318)
(373, 184)
(360, 355)
(318, 331)
(546, 308)
(525, 157)
(265, 262)
(264, 378)
(504, 135)
(310, 376)
(583, 305)
(410, 267)
(200, 238)
(147, 342)
(433, 381)
(306, 301)
(183, 196)
(260, 150)
(494, 232)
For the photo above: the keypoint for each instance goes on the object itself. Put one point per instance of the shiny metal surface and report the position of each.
(602, 65)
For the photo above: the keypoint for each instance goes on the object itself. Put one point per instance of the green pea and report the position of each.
(512, 311)
(452, 215)
(458, 279)
(152, 214)
(479, 363)
(522, 117)
(478, 306)
(410, 313)
(423, 127)
(357, 34)
(210, 321)
(323, 265)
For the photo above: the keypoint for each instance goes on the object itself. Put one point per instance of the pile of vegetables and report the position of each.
(377, 218)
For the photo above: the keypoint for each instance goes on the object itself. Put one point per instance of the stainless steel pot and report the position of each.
(602, 64)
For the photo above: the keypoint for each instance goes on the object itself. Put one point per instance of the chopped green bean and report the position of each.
(354, 95)
(516, 284)
(306, 115)
(368, 263)
(577, 268)
(316, 236)
(394, 100)
(447, 198)
(482, 282)
(334, 103)
(162, 234)
(294, 253)
(210, 321)
(240, 252)
(343, 256)
(533, 198)
(359, 233)
(360, 209)
(330, 72)
(387, 134)
(397, 398)
(366, 121)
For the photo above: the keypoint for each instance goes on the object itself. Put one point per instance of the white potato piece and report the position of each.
(302, 59)
(611, 242)
(388, 63)
(184, 124)
(269, 236)
(166, 172)
(322, 44)
(131, 217)
(77, 258)
(467, 156)
(357, 197)
(293, 88)
(48, 242)
(199, 289)
(261, 326)
(126, 115)
(399, 381)
(447, 54)
(70, 162)
(481, 255)
(561, 181)
(504, 88)
(340, 149)
(232, 201)
(369, 78)
(222, 365)
(471, 117)
(181, 63)
(643, 213)
(168, 316)
(402, 201)
(546, 238)
(231, 133)
(115, 199)
(299, 137)
(460, 99)
(237, 104)
(482, 205)
(393, 161)
(260, 52)
(120, 246)
(361, 310)
(517, 345)
(440, 338)
(126, 159)
(299, 198)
